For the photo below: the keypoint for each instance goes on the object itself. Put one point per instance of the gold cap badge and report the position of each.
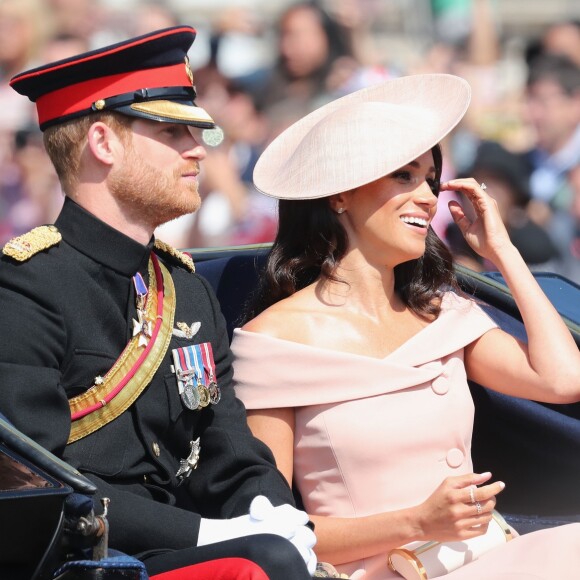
(189, 72)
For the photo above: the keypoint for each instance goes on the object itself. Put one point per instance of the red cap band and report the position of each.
(81, 96)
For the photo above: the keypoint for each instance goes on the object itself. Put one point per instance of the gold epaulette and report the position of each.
(23, 247)
(180, 256)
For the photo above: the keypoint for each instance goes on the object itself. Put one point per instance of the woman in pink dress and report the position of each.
(355, 363)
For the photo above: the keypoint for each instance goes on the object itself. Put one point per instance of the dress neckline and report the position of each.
(403, 347)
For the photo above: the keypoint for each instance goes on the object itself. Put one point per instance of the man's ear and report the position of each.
(104, 143)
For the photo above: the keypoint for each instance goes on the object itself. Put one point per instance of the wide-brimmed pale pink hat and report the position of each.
(362, 136)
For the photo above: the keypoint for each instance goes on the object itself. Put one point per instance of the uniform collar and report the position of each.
(101, 242)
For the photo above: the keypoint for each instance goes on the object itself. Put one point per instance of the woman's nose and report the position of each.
(425, 195)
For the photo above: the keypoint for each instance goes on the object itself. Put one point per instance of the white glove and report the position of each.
(303, 538)
(304, 541)
(264, 518)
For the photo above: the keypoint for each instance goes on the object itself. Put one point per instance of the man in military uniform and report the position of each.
(113, 352)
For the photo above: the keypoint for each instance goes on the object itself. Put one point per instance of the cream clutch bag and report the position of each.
(421, 561)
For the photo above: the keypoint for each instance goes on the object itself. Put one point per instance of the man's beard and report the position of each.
(150, 196)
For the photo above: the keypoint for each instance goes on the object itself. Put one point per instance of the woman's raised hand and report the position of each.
(486, 234)
(458, 509)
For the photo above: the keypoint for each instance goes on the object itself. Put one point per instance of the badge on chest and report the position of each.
(194, 369)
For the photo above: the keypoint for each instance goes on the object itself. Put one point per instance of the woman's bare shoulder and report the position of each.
(288, 319)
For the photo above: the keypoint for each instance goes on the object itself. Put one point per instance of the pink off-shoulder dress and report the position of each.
(375, 435)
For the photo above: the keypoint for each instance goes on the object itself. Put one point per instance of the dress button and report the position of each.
(455, 457)
(156, 449)
(440, 385)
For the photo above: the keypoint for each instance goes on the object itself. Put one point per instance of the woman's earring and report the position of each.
(340, 210)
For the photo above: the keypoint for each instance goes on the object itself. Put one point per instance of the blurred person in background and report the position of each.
(24, 27)
(553, 110)
(62, 45)
(467, 42)
(367, 62)
(505, 175)
(346, 31)
(314, 62)
(232, 211)
(86, 18)
(30, 193)
(152, 15)
(310, 43)
(31, 31)
(561, 37)
(251, 218)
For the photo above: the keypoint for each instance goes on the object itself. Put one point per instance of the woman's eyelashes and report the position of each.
(407, 177)
(403, 176)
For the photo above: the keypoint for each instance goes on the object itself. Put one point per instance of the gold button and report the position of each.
(156, 449)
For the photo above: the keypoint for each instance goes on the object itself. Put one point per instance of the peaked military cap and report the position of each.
(147, 76)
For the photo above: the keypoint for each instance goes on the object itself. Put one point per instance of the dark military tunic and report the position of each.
(65, 317)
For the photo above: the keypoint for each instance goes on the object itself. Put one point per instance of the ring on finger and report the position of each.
(478, 508)
(483, 186)
(472, 493)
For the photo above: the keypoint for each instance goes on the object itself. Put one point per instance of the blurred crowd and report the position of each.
(256, 73)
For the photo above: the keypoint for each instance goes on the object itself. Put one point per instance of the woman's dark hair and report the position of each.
(311, 241)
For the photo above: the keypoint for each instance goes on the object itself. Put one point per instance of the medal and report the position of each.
(189, 395)
(215, 394)
(187, 465)
(142, 326)
(209, 368)
(186, 374)
(204, 397)
(195, 371)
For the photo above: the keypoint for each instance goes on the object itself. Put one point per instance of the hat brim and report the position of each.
(170, 112)
(362, 136)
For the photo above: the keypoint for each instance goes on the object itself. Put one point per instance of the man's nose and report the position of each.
(195, 151)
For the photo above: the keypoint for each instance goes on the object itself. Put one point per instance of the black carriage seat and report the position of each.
(42, 502)
(532, 447)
